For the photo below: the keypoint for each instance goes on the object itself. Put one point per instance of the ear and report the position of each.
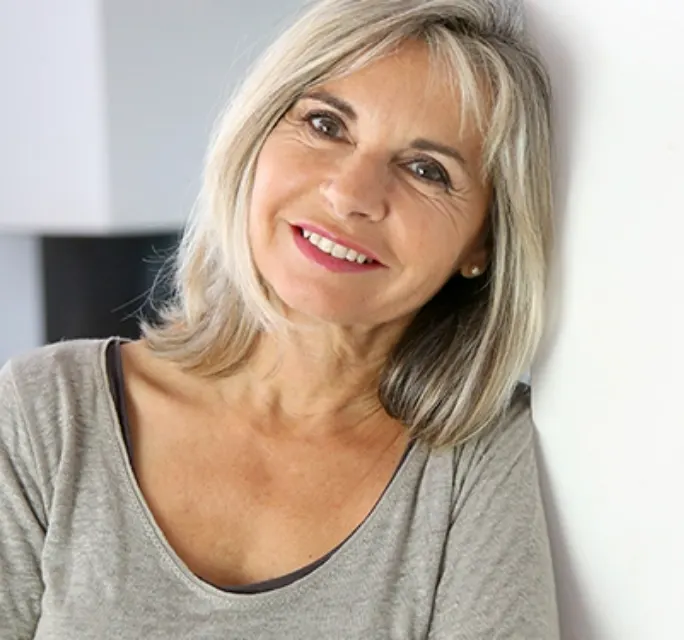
(475, 263)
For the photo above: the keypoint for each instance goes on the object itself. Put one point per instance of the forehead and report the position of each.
(411, 89)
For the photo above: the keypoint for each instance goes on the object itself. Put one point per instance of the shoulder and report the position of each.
(513, 428)
(49, 399)
(45, 375)
(55, 384)
(57, 374)
(67, 361)
(493, 453)
(498, 578)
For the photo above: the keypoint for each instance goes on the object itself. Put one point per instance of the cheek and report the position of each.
(268, 198)
(442, 259)
(284, 175)
(265, 178)
(437, 242)
(432, 241)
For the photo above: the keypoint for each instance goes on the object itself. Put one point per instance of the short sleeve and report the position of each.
(497, 578)
(22, 519)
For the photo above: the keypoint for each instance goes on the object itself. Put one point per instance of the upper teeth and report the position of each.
(334, 249)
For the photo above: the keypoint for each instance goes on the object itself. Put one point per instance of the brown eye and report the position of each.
(430, 171)
(325, 124)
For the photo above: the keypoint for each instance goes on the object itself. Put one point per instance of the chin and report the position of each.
(306, 305)
(308, 295)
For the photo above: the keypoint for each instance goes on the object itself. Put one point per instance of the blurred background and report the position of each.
(106, 111)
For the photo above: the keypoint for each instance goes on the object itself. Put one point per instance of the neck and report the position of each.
(315, 377)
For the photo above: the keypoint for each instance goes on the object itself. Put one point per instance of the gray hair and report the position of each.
(455, 369)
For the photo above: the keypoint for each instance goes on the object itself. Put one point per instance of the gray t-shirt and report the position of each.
(456, 548)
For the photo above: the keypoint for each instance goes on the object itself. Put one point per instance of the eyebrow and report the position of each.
(445, 150)
(421, 144)
(341, 105)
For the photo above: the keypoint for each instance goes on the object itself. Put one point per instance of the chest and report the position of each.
(107, 573)
(247, 510)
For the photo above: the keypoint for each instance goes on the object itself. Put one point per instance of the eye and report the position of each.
(324, 124)
(429, 171)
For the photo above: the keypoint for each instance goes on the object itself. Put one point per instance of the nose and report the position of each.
(358, 187)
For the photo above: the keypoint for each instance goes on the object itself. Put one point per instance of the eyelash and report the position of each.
(323, 115)
(442, 180)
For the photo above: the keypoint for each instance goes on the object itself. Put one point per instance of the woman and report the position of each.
(324, 436)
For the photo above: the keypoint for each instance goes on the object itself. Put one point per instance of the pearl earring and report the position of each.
(475, 271)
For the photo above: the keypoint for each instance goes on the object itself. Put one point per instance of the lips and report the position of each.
(339, 239)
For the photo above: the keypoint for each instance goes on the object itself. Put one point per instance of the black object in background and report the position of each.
(95, 287)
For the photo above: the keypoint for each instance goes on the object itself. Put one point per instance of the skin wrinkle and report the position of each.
(357, 183)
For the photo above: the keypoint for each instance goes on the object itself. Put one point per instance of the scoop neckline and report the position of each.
(170, 558)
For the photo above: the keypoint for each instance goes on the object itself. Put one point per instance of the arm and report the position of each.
(497, 578)
(22, 520)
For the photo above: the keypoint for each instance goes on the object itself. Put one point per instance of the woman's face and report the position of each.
(370, 166)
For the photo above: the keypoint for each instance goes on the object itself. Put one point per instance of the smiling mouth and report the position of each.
(334, 249)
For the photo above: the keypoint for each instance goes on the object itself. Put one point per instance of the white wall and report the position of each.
(608, 387)
(53, 149)
(20, 296)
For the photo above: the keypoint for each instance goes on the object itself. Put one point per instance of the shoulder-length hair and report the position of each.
(455, 369)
